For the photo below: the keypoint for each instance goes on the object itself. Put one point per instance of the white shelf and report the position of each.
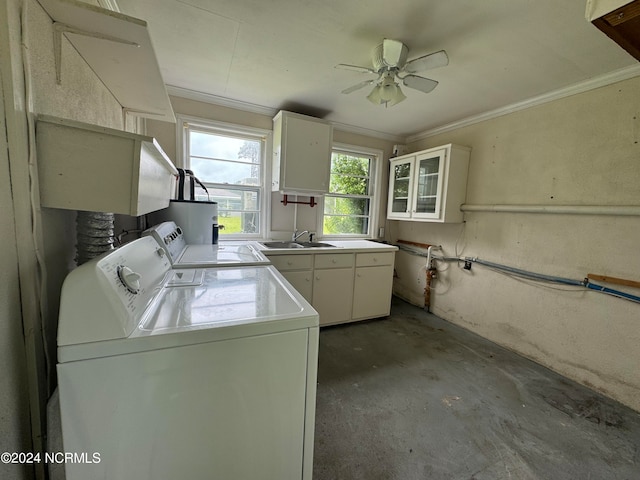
(118, 49)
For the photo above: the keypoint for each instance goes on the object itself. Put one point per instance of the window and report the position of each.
(350, 206)
(229, 161)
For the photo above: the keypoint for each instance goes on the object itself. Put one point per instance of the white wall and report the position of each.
(283, 218)
(581, 150)
(14, 399)
(81, 96)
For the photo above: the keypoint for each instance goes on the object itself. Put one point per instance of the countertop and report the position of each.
(339, 246)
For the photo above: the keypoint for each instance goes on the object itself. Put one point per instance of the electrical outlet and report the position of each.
(381, 232)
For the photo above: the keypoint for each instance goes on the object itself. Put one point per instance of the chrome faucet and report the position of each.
(297, 235)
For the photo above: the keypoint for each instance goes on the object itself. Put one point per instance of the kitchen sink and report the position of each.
(282, 245)
(296, 244)
(315, 244)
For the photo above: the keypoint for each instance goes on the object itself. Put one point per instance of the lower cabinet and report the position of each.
(373, 285)
(302, 281)
(342, 287)
(333, 287)
(372, 292)
(298, 270)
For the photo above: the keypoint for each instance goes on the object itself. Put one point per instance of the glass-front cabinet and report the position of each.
(400, 188)
(429, 185)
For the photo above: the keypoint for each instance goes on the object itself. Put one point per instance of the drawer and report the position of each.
(291, 262)
(340, 260)
(373, 259)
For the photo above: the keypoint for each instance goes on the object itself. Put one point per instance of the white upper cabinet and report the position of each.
(301, 154)
(429, 185)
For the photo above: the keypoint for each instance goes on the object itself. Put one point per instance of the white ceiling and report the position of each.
(281, 54)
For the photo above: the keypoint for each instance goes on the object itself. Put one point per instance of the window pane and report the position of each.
(239, 222)
(219, 171)
(202, 144)
(335, 225)
(232, 199)
(230, 165)
(238, 210)
(346, 206)
(348, 185)
(349, 174)
(347, 211)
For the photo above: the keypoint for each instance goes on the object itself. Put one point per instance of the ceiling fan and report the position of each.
(390, 64)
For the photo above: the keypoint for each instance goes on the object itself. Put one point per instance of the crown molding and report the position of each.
(368, 133)
(581, 87)
(271, 112)
(221, 101)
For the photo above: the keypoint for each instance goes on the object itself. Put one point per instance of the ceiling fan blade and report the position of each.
(433, 60)
(394, 52)
(358, 86)
(425, 85)
(354, 68)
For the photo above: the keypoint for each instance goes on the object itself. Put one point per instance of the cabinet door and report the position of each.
(400, 188)
(302, 281)
(372, 292)
(429, 176)
(333, 294)
(306, 155)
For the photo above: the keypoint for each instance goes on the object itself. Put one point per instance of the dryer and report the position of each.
(182, 255)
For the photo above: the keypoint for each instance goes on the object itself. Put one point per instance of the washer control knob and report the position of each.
(129, 278)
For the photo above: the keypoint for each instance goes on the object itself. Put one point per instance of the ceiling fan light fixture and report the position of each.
(399, 97)
(374, 97)
(390, 63)
(387, 95)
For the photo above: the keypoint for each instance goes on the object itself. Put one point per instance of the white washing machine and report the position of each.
(169, 373)
(227, 253)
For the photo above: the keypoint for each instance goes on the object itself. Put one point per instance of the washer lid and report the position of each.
(222, 254)
(230, 302)
(227, 296)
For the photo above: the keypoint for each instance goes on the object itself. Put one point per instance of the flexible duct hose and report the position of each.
(95, 235)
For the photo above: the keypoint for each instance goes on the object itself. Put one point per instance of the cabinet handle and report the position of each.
(375, 259)
(317, 278)
(289, 262)
(334, 261)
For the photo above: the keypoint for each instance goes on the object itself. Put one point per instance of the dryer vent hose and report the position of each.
(95, 235)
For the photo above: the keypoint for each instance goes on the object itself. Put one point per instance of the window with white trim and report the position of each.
(350, 206)
(229, 161)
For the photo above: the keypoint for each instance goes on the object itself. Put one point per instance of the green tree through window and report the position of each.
(347, 206)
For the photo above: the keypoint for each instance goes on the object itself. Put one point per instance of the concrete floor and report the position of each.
(415, 397)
